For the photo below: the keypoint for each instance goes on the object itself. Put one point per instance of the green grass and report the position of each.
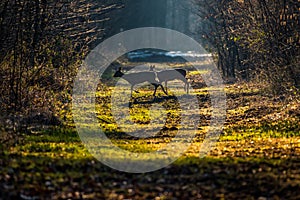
(244, 163)
(66, 142)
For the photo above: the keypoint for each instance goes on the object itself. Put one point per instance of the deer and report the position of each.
(171, 74)
(140, 77)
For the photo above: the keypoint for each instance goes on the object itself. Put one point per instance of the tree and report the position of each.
(254, 38)
(41, 45)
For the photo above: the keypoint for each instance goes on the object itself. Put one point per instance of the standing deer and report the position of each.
(140, 77)
(172, 74)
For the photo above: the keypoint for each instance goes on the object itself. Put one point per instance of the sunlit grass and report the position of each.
(196, 72)
(238, 110)
(66, 143)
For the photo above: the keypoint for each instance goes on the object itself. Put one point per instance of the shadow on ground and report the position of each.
(58, 177)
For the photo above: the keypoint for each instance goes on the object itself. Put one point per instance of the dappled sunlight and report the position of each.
(143, 99)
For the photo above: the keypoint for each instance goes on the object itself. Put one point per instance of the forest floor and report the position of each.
(256, 157)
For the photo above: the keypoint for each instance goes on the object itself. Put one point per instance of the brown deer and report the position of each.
(172, 74)
(140, 77)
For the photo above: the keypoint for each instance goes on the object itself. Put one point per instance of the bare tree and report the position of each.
(41, 45)
(254, 37)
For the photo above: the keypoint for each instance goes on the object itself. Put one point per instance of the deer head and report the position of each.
(152, 67)
(118, 73)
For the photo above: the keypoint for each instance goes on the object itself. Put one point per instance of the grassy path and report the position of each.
(51, 168)
(257, 157)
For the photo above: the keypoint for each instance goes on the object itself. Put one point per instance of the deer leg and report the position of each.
(187, 87)
(162, 87)
(166, 86)
(131, 89)
(155, 88)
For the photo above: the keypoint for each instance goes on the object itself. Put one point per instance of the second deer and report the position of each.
(140, 77)
(172, 74)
